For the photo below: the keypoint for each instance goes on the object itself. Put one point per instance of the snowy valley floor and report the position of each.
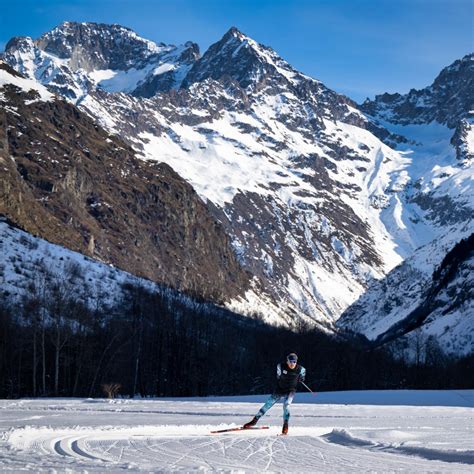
(408, 431)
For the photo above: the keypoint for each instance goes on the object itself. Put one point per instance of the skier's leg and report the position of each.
(286, 406)
(272, 399)
(286, 411)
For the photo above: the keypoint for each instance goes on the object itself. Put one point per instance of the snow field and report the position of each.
(329, 432)
(26, 85)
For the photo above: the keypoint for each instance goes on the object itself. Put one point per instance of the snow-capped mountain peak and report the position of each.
(446, 101)
(75, 58)
(239, 57)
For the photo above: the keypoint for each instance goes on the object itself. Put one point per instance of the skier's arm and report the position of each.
(278, 371)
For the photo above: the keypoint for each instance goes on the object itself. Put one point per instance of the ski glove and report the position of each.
(302, 374)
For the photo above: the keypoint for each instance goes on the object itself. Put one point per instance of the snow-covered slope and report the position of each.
(28, 260)
(30, 264)
(413, 303)
(408, 306)
(8, 77)
(318, 197)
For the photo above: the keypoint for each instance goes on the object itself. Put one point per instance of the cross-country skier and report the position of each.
(289, 373)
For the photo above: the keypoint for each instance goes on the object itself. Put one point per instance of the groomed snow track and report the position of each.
(305, 449)
(98, 435)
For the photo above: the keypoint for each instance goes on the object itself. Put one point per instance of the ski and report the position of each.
(241, 428)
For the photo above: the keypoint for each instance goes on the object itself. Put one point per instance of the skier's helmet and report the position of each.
(292, 358)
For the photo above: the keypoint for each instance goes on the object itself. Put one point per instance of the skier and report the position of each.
(289, 373)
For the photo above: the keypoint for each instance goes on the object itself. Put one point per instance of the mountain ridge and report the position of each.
(318, 196)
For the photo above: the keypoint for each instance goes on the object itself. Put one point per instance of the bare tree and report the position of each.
(62, 307)
(419, 342)
(111, 389)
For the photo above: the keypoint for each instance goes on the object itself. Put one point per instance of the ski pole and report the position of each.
(314, 393)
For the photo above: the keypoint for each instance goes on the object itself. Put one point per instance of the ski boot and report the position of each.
(251, 423)
(284, 430)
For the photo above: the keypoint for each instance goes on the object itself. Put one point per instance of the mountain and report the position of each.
(70, 182)
(76, 57)
(32, 265)
(412, 305)
(448, 100)
(319, 197)
(429, 297)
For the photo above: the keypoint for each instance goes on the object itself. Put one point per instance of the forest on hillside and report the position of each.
(169, 344)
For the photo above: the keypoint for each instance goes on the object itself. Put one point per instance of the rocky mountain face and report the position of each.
(448, 100)
(66, 180)
(463, 141)
(319, 197)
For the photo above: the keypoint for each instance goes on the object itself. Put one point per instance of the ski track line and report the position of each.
(58, 449)
(123, 409)
(80, 452)
(310, 446)
(161, 452)
(174, 452)
(69, 446)
(270, 453)
(255, 452)
(105, 450)
(112, 446)
(186, 455)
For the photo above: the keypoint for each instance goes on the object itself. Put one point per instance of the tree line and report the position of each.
(168, 344)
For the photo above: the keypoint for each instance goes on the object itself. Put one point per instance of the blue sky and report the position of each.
(356, 47)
